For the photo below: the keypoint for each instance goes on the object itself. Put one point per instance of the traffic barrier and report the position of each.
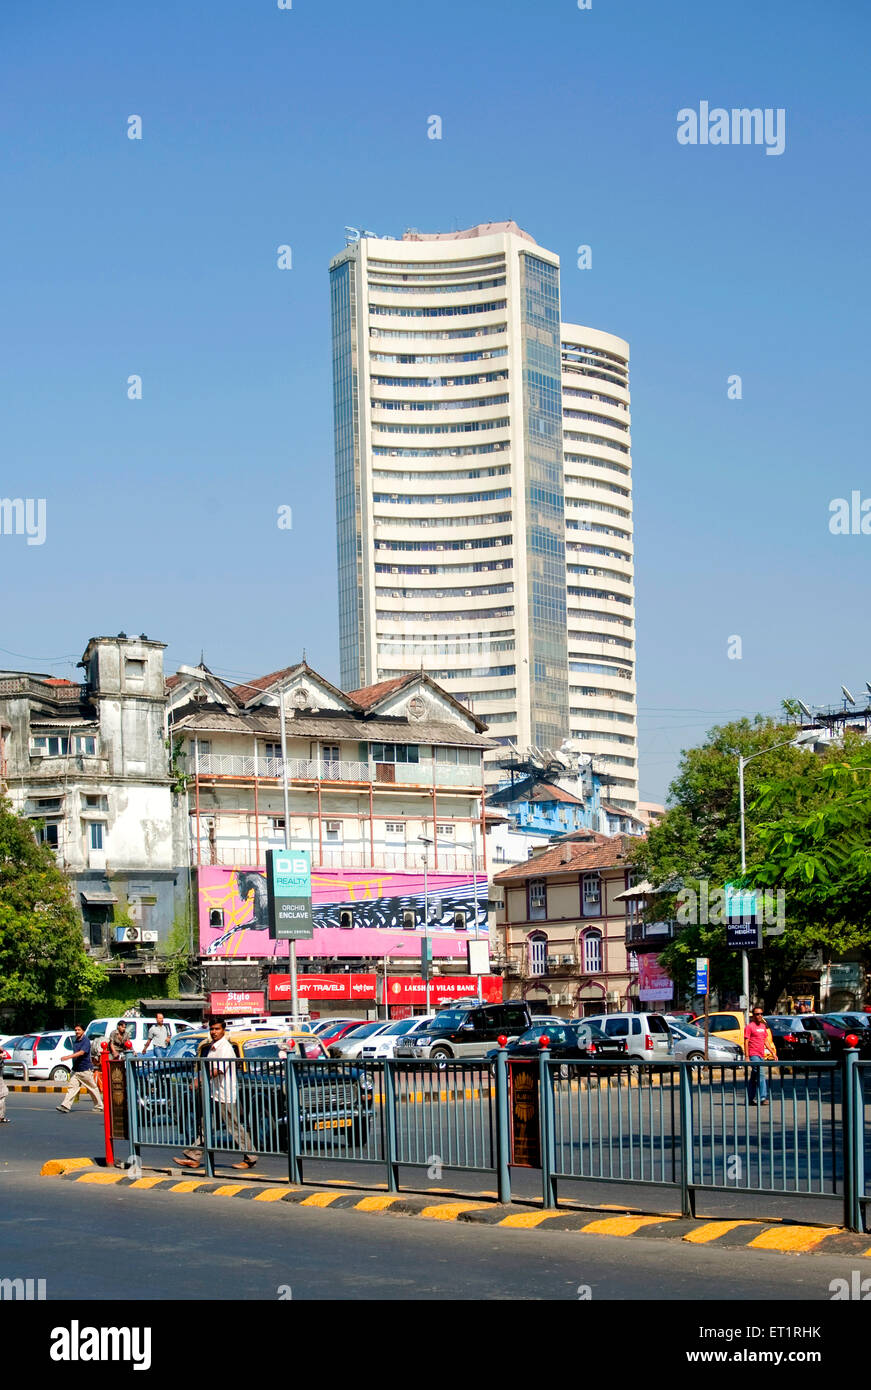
(680, 1126)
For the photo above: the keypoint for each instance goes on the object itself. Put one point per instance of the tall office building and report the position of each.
(451, 481)
(600, 591)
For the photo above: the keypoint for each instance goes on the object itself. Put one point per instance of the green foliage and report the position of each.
(807, 831)
(180, 778)
(43, 963)
(177, 951)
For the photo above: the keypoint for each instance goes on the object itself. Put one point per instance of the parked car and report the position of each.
(466, 1032)
(838, 1034)
(794, 1042)
(325, 1025)
(47, 1057)
(568, 1042)
(727, 1024)
(548, 1020)
(338, 1030)
(21, 1049)
(351, 1044)
(269, 1023)
(688, 1041)
(383, 1044)
(137, 1029)
(854, 1021)
(648, 1038)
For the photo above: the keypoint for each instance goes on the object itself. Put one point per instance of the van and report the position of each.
(98, 1029)
(648, 1036)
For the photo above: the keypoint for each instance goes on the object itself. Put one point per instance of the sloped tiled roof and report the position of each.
(369, 695)
(588, 851)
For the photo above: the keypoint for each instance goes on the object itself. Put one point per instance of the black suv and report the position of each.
(467, 1031)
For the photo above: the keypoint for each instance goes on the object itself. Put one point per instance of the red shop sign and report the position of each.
(323, 987)
(411, 989)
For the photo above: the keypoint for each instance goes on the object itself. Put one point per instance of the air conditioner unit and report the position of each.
(613, 996)
(553, 960)
(565, 998)
(567, 960)
(134, 936)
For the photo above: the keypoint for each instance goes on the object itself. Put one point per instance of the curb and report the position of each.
(780, 1237)
(37, 1089)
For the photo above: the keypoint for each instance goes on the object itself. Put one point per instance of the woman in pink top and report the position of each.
(758, 1046)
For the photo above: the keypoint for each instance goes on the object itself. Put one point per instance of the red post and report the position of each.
(107, 1119)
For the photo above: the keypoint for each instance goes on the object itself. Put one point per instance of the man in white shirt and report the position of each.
(223, 1086)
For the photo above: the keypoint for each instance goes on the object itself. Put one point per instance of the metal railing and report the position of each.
(425, 773)
(689, 1127)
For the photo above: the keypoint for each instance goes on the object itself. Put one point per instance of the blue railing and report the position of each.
(688, 1127)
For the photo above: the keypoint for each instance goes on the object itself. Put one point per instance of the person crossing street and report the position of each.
(82, 1078)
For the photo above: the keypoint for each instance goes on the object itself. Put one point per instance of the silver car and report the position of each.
(351, 1045)
(689, 1045)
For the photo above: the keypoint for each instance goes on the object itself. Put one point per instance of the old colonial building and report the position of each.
(561, 927)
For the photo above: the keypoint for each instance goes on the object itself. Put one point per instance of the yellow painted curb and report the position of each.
(273, 1194)
(146, 1182)
(449, 1211)
(187, 1185)
(103, 1179)
(320, 1199)
(621, 1225)
(376, 1203)
(792, 1238)
(55, 1166)
(526, 1219)
(712, 1230)
(229, 1189)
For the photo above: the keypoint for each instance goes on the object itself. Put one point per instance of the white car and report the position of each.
(50, 1056)
(351, 1045)
(383, 1044)
(98, 1029)
(648, 1037)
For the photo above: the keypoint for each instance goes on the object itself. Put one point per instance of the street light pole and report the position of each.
(426, 844)
(291, 945)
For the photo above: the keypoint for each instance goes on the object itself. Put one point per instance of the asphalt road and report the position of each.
(154, 1245)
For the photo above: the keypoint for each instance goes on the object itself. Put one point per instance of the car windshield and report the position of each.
(182, 1046)
(844, 1021)
(557, 1033)
(450, 1019)
(365, 1031)
(96, 1030)
(688, 1030)
(396, 1030)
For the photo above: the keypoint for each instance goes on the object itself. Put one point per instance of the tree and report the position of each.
(820, 818)
(43, 963)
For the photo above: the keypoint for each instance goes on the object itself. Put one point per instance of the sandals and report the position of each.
(245, 1163)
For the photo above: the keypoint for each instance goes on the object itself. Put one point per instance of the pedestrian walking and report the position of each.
(158, 1037)
(4, 1092)
(119, 1043)
(82, 1078)
(221, 1055)
(758, 1047)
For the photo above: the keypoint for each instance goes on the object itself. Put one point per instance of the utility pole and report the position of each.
(291, 945)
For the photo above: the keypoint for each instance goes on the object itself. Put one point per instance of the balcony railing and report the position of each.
(650, 933)
(321, 770)
(238, 856)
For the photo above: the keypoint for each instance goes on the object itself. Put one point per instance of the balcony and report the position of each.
(319, 770)
(650, 936)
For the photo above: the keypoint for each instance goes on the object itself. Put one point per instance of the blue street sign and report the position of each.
(701, 975)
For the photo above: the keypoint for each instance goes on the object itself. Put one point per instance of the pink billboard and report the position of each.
(654, 981)
(357, 912)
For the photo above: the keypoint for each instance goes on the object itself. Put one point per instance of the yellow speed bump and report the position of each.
(621, 1225)
(187, 1185)
(526, 1219)
(147, 1182)
(712, 1230)
(380, 1203)
(229, 1189)
(103, 1179)
(320, 1199)
(791, 1239)
(273, 1194)
(55, 1166)
(449, 1211)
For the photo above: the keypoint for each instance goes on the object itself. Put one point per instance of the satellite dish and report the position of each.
(847, 695)
(804, 709)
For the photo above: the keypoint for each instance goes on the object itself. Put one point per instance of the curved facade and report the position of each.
(452, 512)
(600, 568)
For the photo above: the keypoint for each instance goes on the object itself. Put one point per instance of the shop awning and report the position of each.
(98, 896)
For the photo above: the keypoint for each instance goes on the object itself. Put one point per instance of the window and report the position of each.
(395, 828)
(468, 757)
(273, 750)
(95, 803)
(616, 1027)
(48, 834)
(134, 669)
(538, 954)
(277, 824)
(591, 895)
(330, 752)
(346, 920)
(395, 752)
(537, 900)
(48, 803)
(95, 834)
(334, 830)
(95, 933)
(50, 745)
(85, 743)
(593, 953)
(444, 830)
(216, 918)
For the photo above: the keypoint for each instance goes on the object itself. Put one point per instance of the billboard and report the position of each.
(401, 989)
(356, 912)
(654, 982)
(289, 894)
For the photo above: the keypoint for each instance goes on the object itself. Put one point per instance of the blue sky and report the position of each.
(264, 127)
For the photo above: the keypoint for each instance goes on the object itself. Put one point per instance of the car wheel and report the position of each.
(441, 1056)
(695, 1056)
(59, 1074)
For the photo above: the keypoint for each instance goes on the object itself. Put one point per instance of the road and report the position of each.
(105, 1239)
